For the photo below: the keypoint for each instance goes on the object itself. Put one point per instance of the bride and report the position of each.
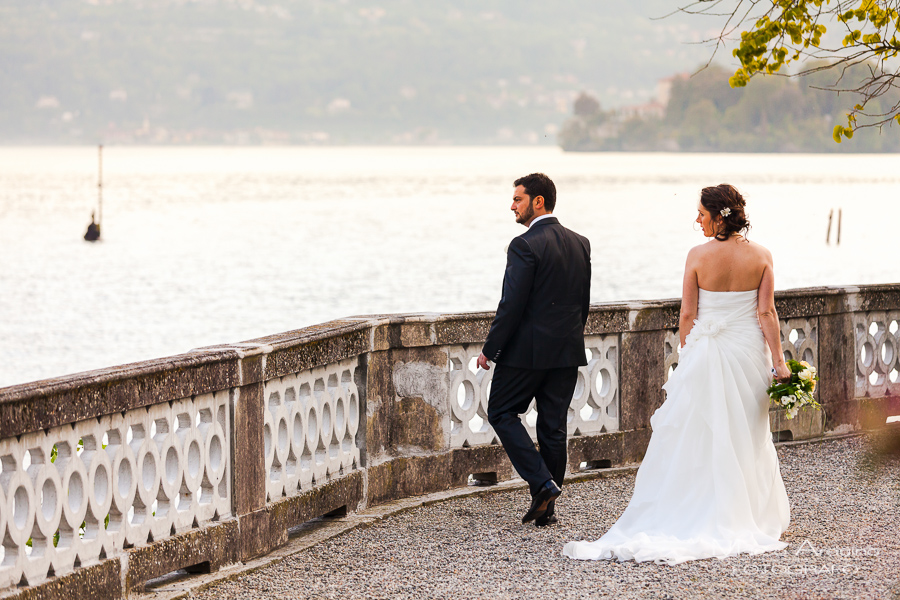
(709, 484)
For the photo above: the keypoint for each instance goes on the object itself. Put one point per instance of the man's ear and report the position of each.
(538, 202)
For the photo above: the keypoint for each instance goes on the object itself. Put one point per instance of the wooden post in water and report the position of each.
(839, 228)
(828, 235)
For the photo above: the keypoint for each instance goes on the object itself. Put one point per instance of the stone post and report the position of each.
(248, 460)
(837, 369)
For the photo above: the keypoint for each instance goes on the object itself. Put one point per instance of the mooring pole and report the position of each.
(100, 184)
(828, 235)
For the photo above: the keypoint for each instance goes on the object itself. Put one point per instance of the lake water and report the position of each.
(222, 244)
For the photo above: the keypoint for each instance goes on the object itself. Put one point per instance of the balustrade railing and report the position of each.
(311, 422)
(878, 352)
(112, 478)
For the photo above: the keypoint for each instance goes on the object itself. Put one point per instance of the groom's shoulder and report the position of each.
(578, 236)
(546, 229)
(548, 235)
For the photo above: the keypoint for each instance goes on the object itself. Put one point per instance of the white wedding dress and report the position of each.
(709, 484)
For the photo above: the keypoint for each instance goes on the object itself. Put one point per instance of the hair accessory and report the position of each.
(725, 211)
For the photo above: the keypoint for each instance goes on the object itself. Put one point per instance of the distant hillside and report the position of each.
(340, 71)
(703, 113)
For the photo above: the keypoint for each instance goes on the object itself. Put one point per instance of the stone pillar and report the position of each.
(248, 462)
(379, 406)
(837, 369)
(641, 376)
(407, 425)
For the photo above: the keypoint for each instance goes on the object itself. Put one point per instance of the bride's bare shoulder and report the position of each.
(698, 252)
(761, 251)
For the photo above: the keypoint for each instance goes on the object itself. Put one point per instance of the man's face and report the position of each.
(521, 205)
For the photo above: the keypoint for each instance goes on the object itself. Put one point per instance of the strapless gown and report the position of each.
(709, 484)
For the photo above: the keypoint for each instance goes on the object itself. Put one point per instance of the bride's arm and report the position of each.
(690, 293)
(768, 320)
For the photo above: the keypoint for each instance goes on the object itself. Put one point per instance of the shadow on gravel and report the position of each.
(883, 450)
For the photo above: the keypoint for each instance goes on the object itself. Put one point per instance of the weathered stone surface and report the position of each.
(290, 512)
(421, 388)
(251, 359)
(606, 318)
(837, 371)
(399, 383)
(361, 379)
(806, 302)
(421, 372)
(380, 405)
(873, 412)
(217, 544)
(253, 369)
(408, 476)
(878, 297)
(53, 402)
(385, 336)
(463, 329)
(418, 425)
(634, 445)
(806, 425)
(641, 376)
(316, 346)
(96, 581)
(650, 316)
(247, 459)
(257, 536)
(593, 448)
(414, 334)
(479, 459)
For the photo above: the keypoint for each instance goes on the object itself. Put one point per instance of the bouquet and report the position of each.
(798, 392)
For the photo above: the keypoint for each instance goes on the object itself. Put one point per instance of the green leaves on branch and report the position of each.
(791, 29)
(840, 130)
(787, 20)
(847, 132)
(871, 11)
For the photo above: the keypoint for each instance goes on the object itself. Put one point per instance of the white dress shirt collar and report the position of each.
(538, 219)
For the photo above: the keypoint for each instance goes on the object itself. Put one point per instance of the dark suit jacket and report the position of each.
(546, 295)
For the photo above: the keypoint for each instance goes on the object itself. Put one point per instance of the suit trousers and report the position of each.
(512, 390)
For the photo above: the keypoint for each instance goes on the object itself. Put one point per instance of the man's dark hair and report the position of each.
(538, 184)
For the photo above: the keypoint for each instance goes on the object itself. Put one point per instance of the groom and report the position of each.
(537, 341)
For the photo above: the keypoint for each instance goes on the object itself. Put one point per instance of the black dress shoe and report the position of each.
(549, 517)
(539, 502)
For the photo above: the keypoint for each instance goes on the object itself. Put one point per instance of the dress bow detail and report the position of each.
(710, 327)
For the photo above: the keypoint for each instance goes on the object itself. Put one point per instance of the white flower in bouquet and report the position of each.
(796, 393)
(808, 375)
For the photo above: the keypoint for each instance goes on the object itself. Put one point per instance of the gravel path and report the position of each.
(845, 499)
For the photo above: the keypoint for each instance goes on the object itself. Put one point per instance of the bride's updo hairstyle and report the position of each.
(726, 205)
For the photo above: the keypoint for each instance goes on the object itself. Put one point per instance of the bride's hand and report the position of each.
(782, 373)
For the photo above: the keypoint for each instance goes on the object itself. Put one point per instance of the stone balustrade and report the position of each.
(115, 477)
